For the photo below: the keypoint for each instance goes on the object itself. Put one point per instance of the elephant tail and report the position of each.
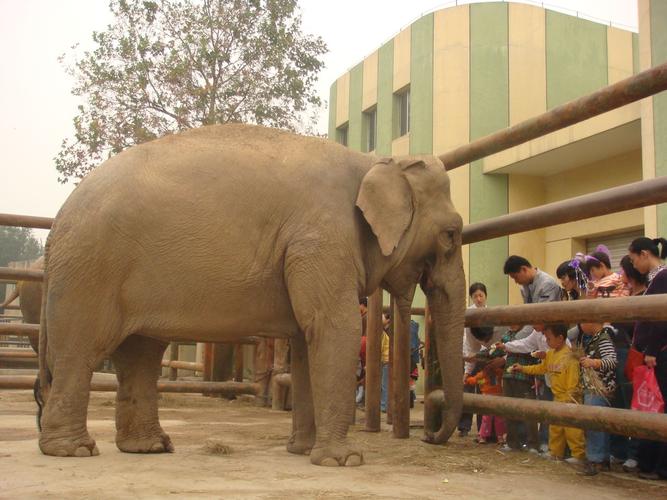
(12, 297)
(43, 382)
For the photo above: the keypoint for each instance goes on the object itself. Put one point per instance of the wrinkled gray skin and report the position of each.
(30, 293)
(236, 230)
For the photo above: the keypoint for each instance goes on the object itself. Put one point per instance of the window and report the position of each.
(341, 135)
(370, 129)
(402, 107)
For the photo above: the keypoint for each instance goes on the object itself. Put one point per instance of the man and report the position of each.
(536, 286)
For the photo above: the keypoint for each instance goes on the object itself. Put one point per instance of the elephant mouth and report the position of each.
(425, 280)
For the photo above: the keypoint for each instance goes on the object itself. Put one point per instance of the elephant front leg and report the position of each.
(137, 361)
(302, 439)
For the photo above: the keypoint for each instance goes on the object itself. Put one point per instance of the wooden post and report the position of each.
(173, 356)
(390, 369)
(280, 392)
(263, 366)
(238, 362)
(401, 371)
(208, 364)
(373, 361)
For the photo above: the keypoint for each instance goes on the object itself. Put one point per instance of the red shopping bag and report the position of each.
(646, 394)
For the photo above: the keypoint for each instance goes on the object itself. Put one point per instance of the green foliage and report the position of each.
(18, 243)
(167, 65)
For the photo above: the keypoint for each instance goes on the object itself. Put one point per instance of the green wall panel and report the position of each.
(659, 56)
(576, 57)
(355, 130)
(333, 91)
(421, 86)
(489, 111)
(385, 98)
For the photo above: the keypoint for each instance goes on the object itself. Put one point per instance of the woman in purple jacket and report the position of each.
(650, 338)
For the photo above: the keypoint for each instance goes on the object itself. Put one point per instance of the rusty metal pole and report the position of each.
(401, 372)
(638, 424)
(373, 361)
(173, 356)
(26, 221)
(633, 195)
(621, 309)
(631, 89)
(14, 274)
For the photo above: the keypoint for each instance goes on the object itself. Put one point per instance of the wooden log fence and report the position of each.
(224, 388)
(636, 424)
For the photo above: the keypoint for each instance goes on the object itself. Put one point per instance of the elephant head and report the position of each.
(407, 204)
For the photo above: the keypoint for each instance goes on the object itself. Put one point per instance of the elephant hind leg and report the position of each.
(137, 361)
(302, 439)
(63, 425)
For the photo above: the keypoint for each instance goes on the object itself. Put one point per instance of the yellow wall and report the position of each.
(527, 62)
(526, 192)
(563, 240)
(401, 146)
(343, 99)
(619, 54)
(402, 59)
(451, 97)
(370, 82)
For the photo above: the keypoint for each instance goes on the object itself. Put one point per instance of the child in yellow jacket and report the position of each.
(564, 371)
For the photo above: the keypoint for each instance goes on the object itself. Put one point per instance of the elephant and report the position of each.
(30, 293)
(231, 230)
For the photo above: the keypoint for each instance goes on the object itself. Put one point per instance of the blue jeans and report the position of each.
(597, 443)
(384, 386)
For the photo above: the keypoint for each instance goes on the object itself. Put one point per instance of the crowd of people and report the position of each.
(588, 363)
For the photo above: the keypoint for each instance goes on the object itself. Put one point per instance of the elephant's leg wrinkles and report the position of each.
(302, 439)
(333, 333)
(64, 432)
(138, 430)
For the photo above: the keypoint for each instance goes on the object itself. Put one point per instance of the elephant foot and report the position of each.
(336, 456)
(301, 443)
(83, 446)
(160, 443)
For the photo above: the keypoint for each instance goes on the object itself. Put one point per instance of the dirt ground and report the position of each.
(232, 449)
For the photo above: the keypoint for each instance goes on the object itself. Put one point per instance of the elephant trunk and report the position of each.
(447, 305)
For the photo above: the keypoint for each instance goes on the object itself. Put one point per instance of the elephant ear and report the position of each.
(386, 200)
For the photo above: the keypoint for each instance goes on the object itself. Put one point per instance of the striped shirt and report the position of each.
(600, 346)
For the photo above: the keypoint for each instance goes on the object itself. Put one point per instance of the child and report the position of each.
(489, 381)
(518, 385)
(598, 376)
(603, 282)
(564, 371)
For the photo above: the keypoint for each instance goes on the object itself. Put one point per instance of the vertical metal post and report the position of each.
(373, 361)
(401, 370)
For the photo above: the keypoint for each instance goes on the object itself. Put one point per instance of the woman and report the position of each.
(650, 338)
(472, 345)
(624, 449)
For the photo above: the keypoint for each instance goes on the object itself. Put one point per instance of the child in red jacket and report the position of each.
(490, 383)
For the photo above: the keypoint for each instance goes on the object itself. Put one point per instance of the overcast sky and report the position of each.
(36, 108)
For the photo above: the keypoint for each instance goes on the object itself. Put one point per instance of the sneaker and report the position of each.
(590, 469)
(534, 451)
(481, 440)
(651, 476)
(507, 448)
(630, 465)
(615, 461)
(574, 461)
(544, 448)
(463, 433)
